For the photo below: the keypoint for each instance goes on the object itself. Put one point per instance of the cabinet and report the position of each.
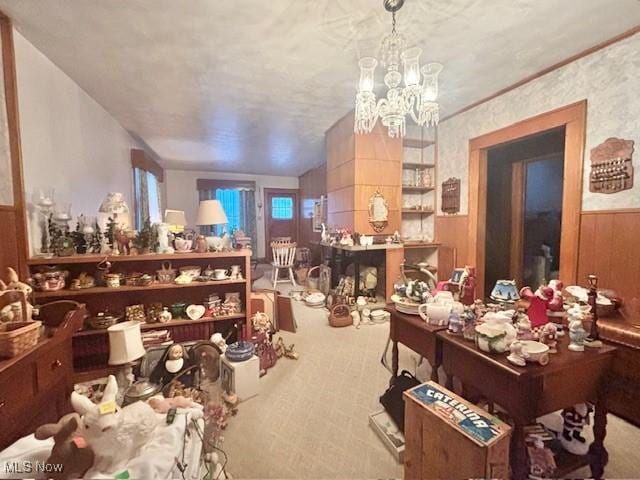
(35, 386)
(91, 346)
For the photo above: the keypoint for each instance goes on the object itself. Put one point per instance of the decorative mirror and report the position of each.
(378, 212)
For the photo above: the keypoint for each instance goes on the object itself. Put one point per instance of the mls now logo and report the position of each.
(32, 467)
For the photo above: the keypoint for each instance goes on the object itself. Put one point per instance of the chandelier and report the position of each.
(416, 98)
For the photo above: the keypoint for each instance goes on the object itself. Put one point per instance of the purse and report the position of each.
(392, 400)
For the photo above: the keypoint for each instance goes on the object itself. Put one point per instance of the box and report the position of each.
(388, 431)
(449, 437)
(240, 378)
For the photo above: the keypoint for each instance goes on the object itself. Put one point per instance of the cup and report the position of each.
(219, 274)
(235, 272)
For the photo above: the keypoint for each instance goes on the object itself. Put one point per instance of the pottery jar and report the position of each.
(166, 274)
(165, 316)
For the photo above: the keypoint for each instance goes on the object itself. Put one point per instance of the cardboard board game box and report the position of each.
(449, 437)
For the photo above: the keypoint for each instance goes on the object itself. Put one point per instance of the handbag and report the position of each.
(392, 400)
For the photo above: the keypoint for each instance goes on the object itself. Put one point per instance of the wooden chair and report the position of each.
(284, 255)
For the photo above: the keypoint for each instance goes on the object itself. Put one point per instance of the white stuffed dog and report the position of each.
(115, 435)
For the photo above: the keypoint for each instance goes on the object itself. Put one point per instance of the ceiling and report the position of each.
(252, 85)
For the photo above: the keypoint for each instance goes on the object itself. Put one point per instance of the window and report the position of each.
(281, 208)
(147, 197)
(230, 200)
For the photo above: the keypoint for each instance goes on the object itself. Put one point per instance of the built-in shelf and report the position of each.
(410, 188)
(127, 288)
(416, 211)
(97, 258)
(417, 143)
(417, 165)
(421, 244)
(169, 324)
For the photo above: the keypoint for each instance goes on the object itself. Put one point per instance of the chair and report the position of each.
(284, 255)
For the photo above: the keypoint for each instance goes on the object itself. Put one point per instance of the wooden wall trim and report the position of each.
(573, 117)
(555, 66)
(611, 211)
(209, 184)
(13, 123)
(140, 159)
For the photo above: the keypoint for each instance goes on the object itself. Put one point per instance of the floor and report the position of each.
(310, 419)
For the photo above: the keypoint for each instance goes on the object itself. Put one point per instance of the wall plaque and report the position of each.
(611, 167)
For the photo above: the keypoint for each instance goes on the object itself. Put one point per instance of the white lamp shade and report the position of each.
(114, 203)
(175, 217)
(210, 212)
(125, 343)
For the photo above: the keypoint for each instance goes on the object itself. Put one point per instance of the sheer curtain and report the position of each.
(147, 197)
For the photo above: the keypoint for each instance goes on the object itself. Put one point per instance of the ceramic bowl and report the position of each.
(195, 312)
(191, 270)
(538, 351)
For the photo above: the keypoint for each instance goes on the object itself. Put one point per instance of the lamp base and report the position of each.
(124, 379)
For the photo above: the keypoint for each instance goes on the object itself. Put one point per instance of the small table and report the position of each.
(416, 334)
(527, 393)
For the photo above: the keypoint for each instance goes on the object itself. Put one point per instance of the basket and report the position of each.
(18, 337)
(340, 316)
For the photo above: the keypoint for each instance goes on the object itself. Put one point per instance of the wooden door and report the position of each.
(281, 215)
(518, 172)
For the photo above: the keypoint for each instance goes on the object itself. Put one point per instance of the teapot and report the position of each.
(496, 333)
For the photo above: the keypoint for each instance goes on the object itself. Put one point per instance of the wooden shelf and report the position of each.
(420, 212)
(171, 324)
(410, 188)
(421, 244)
(417, 165)
(417, 143)
(126, 288)
(93, 258)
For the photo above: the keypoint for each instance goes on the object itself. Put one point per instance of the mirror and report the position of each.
(378, 212)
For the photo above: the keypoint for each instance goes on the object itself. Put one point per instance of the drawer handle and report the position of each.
(2, 403)
(56, 364)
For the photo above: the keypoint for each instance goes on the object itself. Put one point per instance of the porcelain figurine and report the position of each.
(201, 244)
(523, 326)
(556, 303)
(574, 420)
(49, 279)
(455, 324)
(324, 235)
(165, 316)
(577, 333)
(518, 356)
(469, 328)
(538, 304)
(163, 238)
(355, 315)
(549, 336)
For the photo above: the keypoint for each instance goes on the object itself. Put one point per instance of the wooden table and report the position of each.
(527, 393)
(416, 334)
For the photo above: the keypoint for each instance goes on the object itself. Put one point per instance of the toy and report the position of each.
(115, 434)
(542, 463)
(577, 333)
(575, 419)
(70, 448)
(163, 405)
(517, 356)
(538, 303)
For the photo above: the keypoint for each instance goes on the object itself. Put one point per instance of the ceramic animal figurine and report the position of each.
(70, 449)
(116, 435)
(123, 240)
(556, 303)
(574, 420)
(577, 333)
(163, 238)
(549, 336)
(324, 235)
(518, 356)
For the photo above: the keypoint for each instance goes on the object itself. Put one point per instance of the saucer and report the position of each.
(213, 279)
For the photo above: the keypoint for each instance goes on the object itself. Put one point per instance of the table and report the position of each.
(527, 393)
(416, 334)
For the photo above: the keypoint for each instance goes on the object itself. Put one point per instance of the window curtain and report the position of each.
(147, 197)
(240, 207)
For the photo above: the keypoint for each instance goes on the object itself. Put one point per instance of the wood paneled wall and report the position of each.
(609, 249)
(357, 167)
(313, 184)
(452, 233)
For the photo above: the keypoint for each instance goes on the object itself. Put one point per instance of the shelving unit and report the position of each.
(91, 348)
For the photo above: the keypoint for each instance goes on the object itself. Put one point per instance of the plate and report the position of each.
(404, 305)
(195, 312)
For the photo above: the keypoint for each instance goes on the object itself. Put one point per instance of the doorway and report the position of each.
(524, 209)
(281, 216)
(573, 119)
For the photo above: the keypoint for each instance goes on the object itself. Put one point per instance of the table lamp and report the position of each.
(176, 219)
(125, 347)
(115, 206)
(210, 212)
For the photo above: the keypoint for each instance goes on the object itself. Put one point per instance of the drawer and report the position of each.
(17, 390)
(53, 367)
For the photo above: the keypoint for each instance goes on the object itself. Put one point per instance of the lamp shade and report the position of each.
(114, 203)
(125, 343)
(175, 217)
(210, 212)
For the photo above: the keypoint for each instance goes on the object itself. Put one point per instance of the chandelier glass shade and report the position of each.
(413, 92)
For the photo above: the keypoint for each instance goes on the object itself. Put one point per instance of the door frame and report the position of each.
(573, 118)
(267, 213)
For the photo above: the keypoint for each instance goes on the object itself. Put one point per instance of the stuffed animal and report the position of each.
(163, 405)
(116, 435)
(9, 312)
(70, 448)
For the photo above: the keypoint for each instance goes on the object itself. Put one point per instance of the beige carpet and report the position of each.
(310, 419)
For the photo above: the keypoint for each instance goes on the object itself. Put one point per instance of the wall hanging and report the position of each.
(611, 167)
(378, 212)
(451, 195)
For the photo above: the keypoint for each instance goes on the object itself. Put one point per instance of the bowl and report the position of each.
(191, 270)
(537, 351)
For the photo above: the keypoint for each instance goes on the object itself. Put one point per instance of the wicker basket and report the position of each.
(17, 337)
(340, 316)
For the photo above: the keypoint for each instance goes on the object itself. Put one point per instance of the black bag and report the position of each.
(392, 400)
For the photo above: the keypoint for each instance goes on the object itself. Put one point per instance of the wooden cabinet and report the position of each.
(35, 386)
(91, 347)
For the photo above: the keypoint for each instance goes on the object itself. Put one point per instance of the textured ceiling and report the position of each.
(252, 85)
